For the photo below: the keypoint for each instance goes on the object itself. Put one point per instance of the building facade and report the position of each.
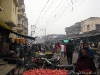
(90, 24)
(8, 17)
(22, 26)
(73, 30)
(9, 12)
(88, 30)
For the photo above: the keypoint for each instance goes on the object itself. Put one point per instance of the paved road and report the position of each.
(75, 56)
(64, 60)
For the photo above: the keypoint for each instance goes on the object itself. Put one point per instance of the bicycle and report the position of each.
(26, 64)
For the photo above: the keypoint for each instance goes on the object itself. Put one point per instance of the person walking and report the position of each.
(63, 49)
(69, 51)
(57, 50)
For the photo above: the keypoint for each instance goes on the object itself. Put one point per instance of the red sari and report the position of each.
(85, 64)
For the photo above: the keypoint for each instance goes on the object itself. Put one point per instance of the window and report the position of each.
(97, 26)
(88, 27)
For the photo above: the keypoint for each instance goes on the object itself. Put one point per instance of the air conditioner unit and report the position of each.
(1, 8)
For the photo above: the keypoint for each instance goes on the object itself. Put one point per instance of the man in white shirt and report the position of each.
(62, 50)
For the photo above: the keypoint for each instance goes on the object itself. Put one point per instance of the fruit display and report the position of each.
(46, 72)
(40, 54)
(48, 52)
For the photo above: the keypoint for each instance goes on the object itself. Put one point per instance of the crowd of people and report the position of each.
(84, 63)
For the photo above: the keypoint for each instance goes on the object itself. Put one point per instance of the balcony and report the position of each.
(25, 27)
(24, 15)
(19, 28)
(1, 8)
(21, 2)
(22, 8)
(16, 2)
(20, 14)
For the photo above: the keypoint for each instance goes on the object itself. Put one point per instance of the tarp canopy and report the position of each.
(11, 31)
(29, 37)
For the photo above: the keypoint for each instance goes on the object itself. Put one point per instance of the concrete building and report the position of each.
(73, 30)
(88, 30)
(9, 12)
(8, 17)
(13, 17)
(22, 26)
(90, 24)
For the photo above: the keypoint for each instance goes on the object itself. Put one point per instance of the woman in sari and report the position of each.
(85, 64)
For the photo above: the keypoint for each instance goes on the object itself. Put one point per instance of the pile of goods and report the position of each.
(46, 72)
(40, 54)
(48, 54)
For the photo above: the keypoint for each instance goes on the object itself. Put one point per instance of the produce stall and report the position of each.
(46, 72)
(47, 54)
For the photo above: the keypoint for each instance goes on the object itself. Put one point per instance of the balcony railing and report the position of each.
(1, 8)
(24, 15)
(25, 26)
(22, 7)
(20, 13)
(16, 2)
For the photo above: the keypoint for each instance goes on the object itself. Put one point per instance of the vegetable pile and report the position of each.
(46, 72)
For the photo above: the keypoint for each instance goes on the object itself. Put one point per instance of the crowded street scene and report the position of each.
(49, 37)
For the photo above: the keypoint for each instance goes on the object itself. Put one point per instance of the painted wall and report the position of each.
(91, 22)
(9, 12)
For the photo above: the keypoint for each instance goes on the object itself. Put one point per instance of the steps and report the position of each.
(2, 62)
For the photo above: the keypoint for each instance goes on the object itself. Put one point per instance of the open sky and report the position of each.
(55, 15)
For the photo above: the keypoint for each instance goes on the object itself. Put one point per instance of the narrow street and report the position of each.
(64, 60)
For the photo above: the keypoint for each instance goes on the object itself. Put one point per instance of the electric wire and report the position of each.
(45, 11)
(54, 12)
(55, 8)
(50, 15)
(78, 5)
(70, 10)
(63, 12)
(42, 11)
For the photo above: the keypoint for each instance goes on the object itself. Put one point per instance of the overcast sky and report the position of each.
(55, 15)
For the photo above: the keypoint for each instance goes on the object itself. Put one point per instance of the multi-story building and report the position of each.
(8, 16)
(88, 29)
(8, 20)
(73, 30)
(22, 26)
(90, 24)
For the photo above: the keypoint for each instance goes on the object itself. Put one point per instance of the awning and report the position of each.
(7, 28)
(29, 37)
